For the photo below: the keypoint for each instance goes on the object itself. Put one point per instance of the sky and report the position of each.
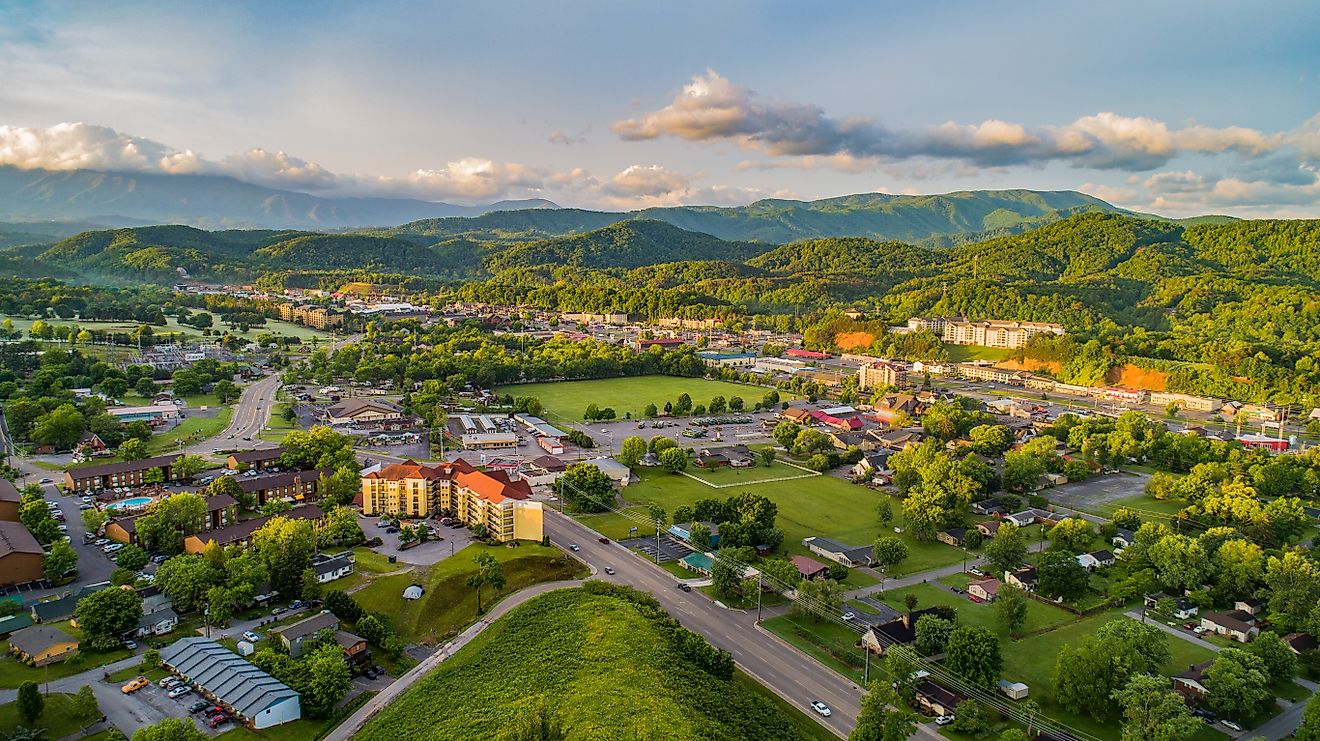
(1177, 108)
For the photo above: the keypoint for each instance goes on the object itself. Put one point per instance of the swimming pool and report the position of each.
(134, 503)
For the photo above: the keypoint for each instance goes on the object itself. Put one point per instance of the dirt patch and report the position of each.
(1133, 377)
(1030, 365)
(853, 340)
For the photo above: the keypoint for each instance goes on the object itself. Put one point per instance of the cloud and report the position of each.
(568, 140)
(712, 108)
(1188, 193)
(75, 146)
(650, 180)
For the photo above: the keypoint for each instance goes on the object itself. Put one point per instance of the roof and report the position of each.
(946, 697)
(1233, 620)
(324, 620)
(488, 487)
(14, 538)
(829, 545)
(1300, 642)
(351, 407)
(219, 502)
(549, 463)
(807, 566)
(106, 469)
(331, 564)
(1195, 672)
(152, 618)
(989, 586)
(410, 469)
(34, 639)
(261, 454)
(52, 610)
(243, 530)
(902, 629)
(1102, 555)
(8, 493)
(283, 478)
(346, 639)
(226, 675)
(698, 561)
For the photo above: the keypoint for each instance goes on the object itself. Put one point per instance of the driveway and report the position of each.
(453, 540)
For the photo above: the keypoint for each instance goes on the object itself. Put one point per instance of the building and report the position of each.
(899, 630)
(891, 406)
(10, 499)
(777, 365)
(936, 700)
(985, 590)
(797, 352)
(1096, 559)
(291, 486)
(799, 415)
(728, 359)
(240, 534)
(294, 636)
(330, 568)
(360, 411)
(40, 645)
(989, 528)
(1190, 682)
(664, 343)
(1023, 578)
(954, 536)
(881, 373)
(311, 315)
(156, 415)
(91, 479)
(122, 529)
(1300, 643)
(684, 532)
(1185, 401)
(21, 556)
(837, 552)
(354, 646)
(1123, 538)
(809, 568)
(474, 497)
(1236, 624)
(542, 470)
(254, 460)
(232, 682)
(989, 374)
(158, 622)
(985, 333)
(62, 607)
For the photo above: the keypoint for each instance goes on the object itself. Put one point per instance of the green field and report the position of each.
(272, 326)
(14, 672)
(58, 718)
(822, 505)
(566, 400)
(597, 664)
(828, 642)
(728, 476)
(448, 605)
(1039, 615)
(277, 427)
(968, 353)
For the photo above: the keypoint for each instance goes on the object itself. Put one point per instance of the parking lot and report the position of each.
(670, 549)
(151, 705)
(454, 539)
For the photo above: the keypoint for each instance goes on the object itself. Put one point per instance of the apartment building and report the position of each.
(89, 479)
(475, 497)
(311, 315)
(985, 333)
(881, 373)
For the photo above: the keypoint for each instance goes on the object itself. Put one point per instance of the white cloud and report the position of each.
(74, 146)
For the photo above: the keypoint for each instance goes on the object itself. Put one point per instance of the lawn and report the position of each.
(194, 429)
(823, 505)
(277, 427)
(448, 604)
(564, 401)
(968, 353)
(14, 672)
(728, 476)
(58, 718)
(123, 675)
(1140, 502)
(600, 667)
(272, 326)
(829, 643)
(1039, 616)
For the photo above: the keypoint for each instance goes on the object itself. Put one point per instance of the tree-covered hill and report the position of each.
(628, 244)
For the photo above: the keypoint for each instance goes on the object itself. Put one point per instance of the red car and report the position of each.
(218, 720)
(606, 541)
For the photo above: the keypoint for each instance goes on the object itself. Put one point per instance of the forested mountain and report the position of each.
(627, 244)
(119, 199)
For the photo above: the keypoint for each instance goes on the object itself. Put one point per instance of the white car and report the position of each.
(944, 720)
(1230, 725)
(821, 708)
(250, 637)
(849, 616)
(1199, 629)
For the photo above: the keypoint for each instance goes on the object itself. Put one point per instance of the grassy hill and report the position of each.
(603, 667)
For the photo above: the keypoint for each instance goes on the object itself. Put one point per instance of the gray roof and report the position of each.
(309, 626)
(159, 616)
(331, 564)
(55, 609)
(226, 675)
(34, 639)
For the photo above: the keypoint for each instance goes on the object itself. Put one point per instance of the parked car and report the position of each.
(218, 720)
(130, 644)
(250, 637)
(169, 682)
(44, 480)
(159, 558)
(1198, 629)
(369, 673)
(821, 708)
(101, 542)
(198, 706)
(1232, 726)
(380, 671)
(134, 685)
(975, 571)
(278, 611)
(179, 691)
(944, 720)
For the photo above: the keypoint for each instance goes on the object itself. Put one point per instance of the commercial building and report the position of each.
(777, 365)
(155, 415)
(728, 359)
(881, 373)
(232, 682)
(89, 479)
(21, 556)
(311, 315)
(40, 645)
(474, 497)
(989, 373)
(985, 333)
(1186, 401)
(364, 411)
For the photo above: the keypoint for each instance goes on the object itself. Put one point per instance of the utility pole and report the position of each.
(866, 671)
(657, 541)
(759, 587)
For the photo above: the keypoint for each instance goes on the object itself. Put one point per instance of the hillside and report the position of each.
(598, 664)
(627, 244)
(202, 200)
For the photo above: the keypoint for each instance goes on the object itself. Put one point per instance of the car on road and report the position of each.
(297, 604)
(574, 547)
(944, 720)
(849, 616)
(134, 685)
(250, 637)
(609, 570)
(279, 611)
(685, 587)
(821, 708)
(604, 540)
(198, 706)
(1230, 725)
(45, 480)
(179, 691)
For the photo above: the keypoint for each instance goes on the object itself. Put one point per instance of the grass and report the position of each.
(373, 562)
(277, 426)
(1039, 616)
(729, 476)
(307, 729)
(272, 326)
(806, 727)
(123, 675)
(58, 717)
(968, 353)
(822, 505)
(1138, 502)
(191, 430)
(14, 672)
(565, 401)
(600, 666)
(448, 604)
(829, 643)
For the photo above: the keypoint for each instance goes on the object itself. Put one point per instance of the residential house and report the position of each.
(985, 590)
(354, 646)
(809, 568)
(91, 479)
(846, 440)
(990, 507)
(740, 456)
(90, 444)
(293, 636)
(954, 536)
(1096, 559)
(1030, 516)
(61, 608)
(40, 645)
(870, 462)
(21, 557)
(709, 460)
(933, 699)
(1022, 578)
(254, 460)
(1301, 643)
(989, 528)
(1123, 538)
(837, 552)
(1191, 681)
(1250, 605)
(897, 440)
(330, 568)
(1236, 624)
(895, 406)
(157, 623)
(12, 623)
(898, 631)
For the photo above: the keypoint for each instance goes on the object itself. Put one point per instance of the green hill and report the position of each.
(607, 668)
(628, 244)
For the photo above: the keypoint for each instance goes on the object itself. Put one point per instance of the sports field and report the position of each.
(565, 401)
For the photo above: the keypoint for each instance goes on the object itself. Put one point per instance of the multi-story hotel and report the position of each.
(881, 373)
(310, 315)
(475, 497)
(985, 333)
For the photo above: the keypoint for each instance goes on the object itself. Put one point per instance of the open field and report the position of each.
(831, 644)
(277, 427)
(600, 667)
(1039, 615)
(272, 326)
(821, 505)
(448, 605)
(58, 717)
(968, 353)
(726, 476)
(566, 400)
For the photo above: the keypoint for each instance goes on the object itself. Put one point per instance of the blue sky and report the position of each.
(1173, 107)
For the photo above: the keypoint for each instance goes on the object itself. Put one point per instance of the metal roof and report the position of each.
(229, 677)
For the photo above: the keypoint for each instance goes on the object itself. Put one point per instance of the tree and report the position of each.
(1059, 575)
(766, 456)
(93, 519)
(61, 427)
(539, 722)
(932, 634)
(1239, 567)
(85, 707)
(586, 488)
(660, 444)
(1154, 712)
(328, 680)
(632, 450)
(674, 460)
(1238, 683)
(1087, 675)
(343, 606)
(1280, 661)
(30, 702)
(1294, 583)
(726, 576)
(188, 466)
(186, 579)
(226, 391)
(785, 433)
(817, 598)
(132, 449)
(489, 573)
(650, 412)
(990, 440)
(145, 387)
(1072, 534)
(1310, 728)
(884, 513)
(170, 729)
(318, 447)
(105, 616)
(1179, 561)
(286, 547)
(275, 506)
(310, 588)
(883, 717)
(974, 654)
(341, 528)
(683, 405)
(811, 441)
(1008, 549)
(1011, 607)
(132, 558)
(888, 552)
(61, 560)
(779, 573)
(170, 520)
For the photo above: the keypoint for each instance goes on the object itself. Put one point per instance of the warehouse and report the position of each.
(232, 682)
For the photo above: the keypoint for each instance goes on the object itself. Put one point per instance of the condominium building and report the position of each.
(995, 333)
(474, 497)
(310, 315)
(881, 373)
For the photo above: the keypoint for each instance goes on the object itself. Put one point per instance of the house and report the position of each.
(894, 406)
(62, 607)
(710, 460)
(954, 536)
(1236, 624)
(240, 534)
(156, 623)
(90, 444)
(90, 479)
(1014, 690)
(809, 568)
(1190, 682)
(837, 552)
(354, 646)
(1096, 559)
(1029, 516)
(989, 507)
(896, 440)
(1300, 643)
(799, 415)
(989, 528)
(741, 456)
(232, 682)
(254, 460)
(870, 462)
(122, 529)
(13, 623)
(684, 532)
(40, 645)
(1123, 538)
(933, 699)
(1023, 578)
(846, 440)
(1251, 606)
(10, 499)
(985, 590)
(359, 411)
(898, 631)
(21, 556)
(329, 568)
(294, 636)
